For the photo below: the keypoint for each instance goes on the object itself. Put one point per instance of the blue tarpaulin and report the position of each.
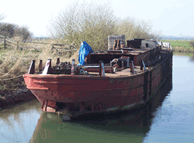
(85, 49)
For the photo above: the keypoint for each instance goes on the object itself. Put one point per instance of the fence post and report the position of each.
(18, 45)
(4, 42)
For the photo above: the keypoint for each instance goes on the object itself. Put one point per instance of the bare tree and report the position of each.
(7, 29)
(23, 32)
(85, 22)
(132, 29)
(93, 23)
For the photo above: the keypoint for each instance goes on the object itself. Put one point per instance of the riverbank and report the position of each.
(181, 46)
(19, 96)
(182, 49)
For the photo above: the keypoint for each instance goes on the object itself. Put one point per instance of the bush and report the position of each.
(10, 30)
(23, 32)
(93, 23)
(89, 22)
(132, 29)
(7, 29)
(192, 43)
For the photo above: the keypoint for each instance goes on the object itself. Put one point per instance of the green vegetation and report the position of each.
(181, 45)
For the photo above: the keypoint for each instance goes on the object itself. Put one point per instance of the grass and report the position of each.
(15, 62)
(181, 45)
(12, 67)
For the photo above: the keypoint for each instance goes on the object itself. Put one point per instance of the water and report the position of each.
(166, 119)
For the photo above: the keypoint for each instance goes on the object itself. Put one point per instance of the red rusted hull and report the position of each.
(84, 94)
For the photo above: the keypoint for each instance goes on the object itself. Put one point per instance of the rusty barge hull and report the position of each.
(83, 94)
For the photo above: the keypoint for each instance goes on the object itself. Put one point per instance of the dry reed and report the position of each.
(15, 62)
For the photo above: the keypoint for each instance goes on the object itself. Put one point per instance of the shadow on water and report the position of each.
(122, 127)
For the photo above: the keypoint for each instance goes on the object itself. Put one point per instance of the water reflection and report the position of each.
(123, 127)
(190, 55)
(17, 124)
(192, 58)
(183, 54)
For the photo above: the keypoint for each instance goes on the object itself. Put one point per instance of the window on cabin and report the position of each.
(147, 45)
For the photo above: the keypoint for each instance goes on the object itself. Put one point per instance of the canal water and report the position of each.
(168, 118)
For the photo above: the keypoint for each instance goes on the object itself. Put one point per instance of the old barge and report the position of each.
(120, 78)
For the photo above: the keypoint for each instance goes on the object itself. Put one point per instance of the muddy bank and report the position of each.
(21, 95)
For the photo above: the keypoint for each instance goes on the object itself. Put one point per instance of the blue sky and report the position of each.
(167, 17)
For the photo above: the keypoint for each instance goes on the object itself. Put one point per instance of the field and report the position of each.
(180, 45)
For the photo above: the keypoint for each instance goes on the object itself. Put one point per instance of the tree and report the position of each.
(7, 29)
(23, 32)
(85, 22)
(133, 30)
(10, 30)
(93, 23)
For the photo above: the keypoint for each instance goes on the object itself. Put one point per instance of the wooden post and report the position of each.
(4, 42)
(18, 46)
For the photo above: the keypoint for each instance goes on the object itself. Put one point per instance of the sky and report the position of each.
(167, 17)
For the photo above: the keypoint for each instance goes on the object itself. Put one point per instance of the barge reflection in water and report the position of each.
(122, 127)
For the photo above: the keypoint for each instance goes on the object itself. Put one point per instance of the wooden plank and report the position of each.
(36, 42)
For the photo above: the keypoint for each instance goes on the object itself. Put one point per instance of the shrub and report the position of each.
(23, 32)
(192, 43)
(132, 29)
(89, 22)
(93, 23)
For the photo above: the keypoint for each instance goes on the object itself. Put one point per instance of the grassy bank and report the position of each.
(181, 45)
(15, 62)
